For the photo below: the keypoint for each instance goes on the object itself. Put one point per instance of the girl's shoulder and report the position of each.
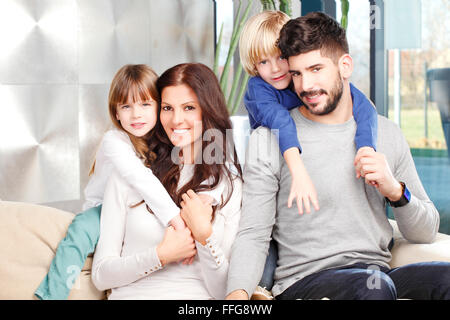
(116, 135)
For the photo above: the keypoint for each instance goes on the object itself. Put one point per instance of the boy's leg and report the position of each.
(422, 281)
(269, 268)
(81, 238)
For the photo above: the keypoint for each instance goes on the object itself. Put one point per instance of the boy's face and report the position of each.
(275, 71)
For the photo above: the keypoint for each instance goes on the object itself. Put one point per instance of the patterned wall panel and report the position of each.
(39, 143)
(57, 60)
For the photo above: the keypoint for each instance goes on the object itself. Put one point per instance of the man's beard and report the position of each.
(332, 102)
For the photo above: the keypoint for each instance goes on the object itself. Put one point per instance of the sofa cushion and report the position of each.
(30, 235)
(405, 252)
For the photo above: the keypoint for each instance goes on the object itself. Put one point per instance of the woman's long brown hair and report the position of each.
(203, 82)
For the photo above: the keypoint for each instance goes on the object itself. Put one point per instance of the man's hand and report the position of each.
(237, 295)
(374, 168)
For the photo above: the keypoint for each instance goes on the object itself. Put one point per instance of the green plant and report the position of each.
(234, 97)
(344, 10)
(284, 6)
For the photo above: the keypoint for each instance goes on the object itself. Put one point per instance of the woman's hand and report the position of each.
(197, 215)
(175, 246)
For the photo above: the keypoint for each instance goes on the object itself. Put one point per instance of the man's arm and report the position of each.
(418, 221)
(250, 248)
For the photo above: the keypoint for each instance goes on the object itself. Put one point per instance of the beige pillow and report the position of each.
(29, 237)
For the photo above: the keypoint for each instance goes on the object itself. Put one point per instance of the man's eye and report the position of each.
(316, 69)
(295, 74)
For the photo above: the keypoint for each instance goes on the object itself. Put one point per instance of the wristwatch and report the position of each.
(404, 200)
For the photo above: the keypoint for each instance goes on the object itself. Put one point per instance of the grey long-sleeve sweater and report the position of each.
(351, 225)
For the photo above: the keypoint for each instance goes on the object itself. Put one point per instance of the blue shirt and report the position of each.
(269, 107)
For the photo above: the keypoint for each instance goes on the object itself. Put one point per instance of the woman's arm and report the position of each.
(214, 249)
(118, 149)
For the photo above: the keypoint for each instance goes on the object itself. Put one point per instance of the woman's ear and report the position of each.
(346, 66)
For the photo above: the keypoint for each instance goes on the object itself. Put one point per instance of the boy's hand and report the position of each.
(303, 189)
(374, 168)
(359, 154)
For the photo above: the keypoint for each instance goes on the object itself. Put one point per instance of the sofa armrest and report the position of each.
(30, 235)
(405, 252)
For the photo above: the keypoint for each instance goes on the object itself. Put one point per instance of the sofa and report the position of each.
(30, 235)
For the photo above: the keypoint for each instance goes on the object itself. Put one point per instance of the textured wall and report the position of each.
(57, 60)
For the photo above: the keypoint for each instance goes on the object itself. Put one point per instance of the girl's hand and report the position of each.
(175, 246)
(303, 190)
(197, 216)
(177, 222)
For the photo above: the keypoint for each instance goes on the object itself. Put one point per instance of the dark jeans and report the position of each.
(269, 267)
(419, 281)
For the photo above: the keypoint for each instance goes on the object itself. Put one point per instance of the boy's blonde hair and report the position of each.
(259, 38)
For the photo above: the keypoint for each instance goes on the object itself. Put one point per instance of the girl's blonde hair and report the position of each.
(133, 83)
(259, 38)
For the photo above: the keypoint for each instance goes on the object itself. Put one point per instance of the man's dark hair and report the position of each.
(314, 31)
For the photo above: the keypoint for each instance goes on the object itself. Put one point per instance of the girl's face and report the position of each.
(137, 118)
(181, 115)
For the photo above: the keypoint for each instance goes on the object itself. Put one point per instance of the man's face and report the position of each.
(317, 81)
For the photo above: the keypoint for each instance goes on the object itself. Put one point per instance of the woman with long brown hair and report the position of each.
(196, 162)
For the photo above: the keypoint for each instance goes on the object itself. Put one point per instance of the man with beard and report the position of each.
(341, 251)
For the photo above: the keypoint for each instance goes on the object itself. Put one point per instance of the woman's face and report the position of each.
(181, 115)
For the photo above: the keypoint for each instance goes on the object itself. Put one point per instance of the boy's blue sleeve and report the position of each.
(264, 108)
(366, 118)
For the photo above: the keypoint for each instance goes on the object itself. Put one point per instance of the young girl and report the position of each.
(133, 110)
(136, 256)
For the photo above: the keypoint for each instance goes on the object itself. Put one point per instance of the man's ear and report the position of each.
(346, 66)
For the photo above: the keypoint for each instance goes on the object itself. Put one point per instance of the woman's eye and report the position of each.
(295, 74)
(188, 108)
(166, 108)
(263, 62)
(125, 106)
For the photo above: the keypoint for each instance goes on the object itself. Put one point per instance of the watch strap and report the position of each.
(404, 199)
